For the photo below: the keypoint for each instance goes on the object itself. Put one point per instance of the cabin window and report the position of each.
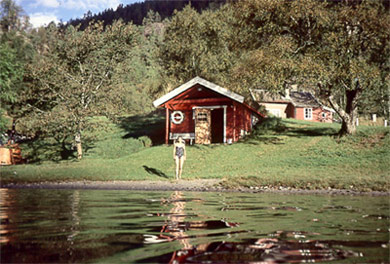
(323, 115)
(308, 113)
(254, 120)
(201, 117)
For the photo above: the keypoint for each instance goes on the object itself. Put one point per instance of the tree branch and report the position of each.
(345, 86)
(90, 98)
(36, 108)
(336, 107)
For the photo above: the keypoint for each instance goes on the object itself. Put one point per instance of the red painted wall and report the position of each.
(238, 116)
(316, 115)
(187, 125)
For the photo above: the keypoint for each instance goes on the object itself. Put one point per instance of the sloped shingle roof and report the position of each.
(303, 99)
(265, 96)
(203, 82)
(297, 98)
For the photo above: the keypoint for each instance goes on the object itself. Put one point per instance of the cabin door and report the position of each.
(202, 126)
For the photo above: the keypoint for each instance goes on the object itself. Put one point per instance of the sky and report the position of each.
(42, 12)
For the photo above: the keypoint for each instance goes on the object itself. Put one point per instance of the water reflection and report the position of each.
(74, 201)
(4, 216)
(264, 250)
(53, 226)
(277, 248)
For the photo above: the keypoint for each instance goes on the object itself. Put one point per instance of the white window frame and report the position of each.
(224, 116)
(308, 113)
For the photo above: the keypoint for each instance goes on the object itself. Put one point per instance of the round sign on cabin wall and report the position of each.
(177, 117)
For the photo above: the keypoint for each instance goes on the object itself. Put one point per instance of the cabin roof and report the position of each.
(303, 99)
(197, 80)
(260, 95)
(296, 98)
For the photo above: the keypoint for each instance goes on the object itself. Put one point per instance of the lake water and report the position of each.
(57, 226)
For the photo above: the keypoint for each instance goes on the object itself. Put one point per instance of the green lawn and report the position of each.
(290, 153)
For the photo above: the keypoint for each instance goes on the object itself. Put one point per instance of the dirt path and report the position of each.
(200, 185)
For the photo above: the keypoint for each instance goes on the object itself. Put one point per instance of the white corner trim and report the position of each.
(224, 123)
(203, 82)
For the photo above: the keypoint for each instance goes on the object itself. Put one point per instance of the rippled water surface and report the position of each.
(60, 226)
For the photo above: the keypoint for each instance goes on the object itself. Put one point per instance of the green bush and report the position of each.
(269, 125)
(146, 141)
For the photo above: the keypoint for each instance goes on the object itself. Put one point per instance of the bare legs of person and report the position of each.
(179, 167)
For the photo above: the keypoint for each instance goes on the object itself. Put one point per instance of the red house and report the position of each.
(207, 113)
(294, 104)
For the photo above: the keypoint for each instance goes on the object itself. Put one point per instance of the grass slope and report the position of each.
(285, 153)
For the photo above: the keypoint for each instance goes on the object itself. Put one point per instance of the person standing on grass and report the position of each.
(179, 155)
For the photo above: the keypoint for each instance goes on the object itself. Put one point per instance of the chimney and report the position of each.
(287, 93)
(294, 87)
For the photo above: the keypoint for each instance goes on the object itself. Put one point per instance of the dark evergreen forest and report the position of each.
(136, 12)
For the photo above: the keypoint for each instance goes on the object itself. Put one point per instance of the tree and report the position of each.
(10, 14)
(138, 77)
(336, 48)
(75, 74)
(198, 45)
(10, 72)
(16, 51)
(349, 59)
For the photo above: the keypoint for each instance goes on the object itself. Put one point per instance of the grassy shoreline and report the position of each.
(290, 154)
(203, 185)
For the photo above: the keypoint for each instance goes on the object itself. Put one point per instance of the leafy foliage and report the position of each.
(54, 80)
(198, 45)
(10, 72)
(269, 125)
(332, 47)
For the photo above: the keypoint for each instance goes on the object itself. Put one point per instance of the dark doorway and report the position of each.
(217, 125)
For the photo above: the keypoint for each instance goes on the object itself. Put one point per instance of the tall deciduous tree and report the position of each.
(76, 72)
(137, 78)
(198, 45)
(16, 52)
(10, 73)
(340, 48)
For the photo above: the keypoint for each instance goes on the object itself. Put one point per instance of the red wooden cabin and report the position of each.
(207, 113)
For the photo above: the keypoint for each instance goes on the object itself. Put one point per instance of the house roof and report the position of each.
(265, 96)
(297, 98)
(303, 99)
(197, 80)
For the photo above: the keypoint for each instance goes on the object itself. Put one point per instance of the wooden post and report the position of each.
(234, 122)
(374, 118)
(166, 125)
(77, 140)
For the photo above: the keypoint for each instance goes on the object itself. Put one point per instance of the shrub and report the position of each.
(146, 141)
(269, 126)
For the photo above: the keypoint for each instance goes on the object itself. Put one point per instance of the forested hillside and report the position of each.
(136, 12)
(55, 80)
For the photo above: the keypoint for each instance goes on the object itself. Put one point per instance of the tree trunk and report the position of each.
(348, 126)
(77, 139)
(349, 115)
(388, 102)
(13, 131)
